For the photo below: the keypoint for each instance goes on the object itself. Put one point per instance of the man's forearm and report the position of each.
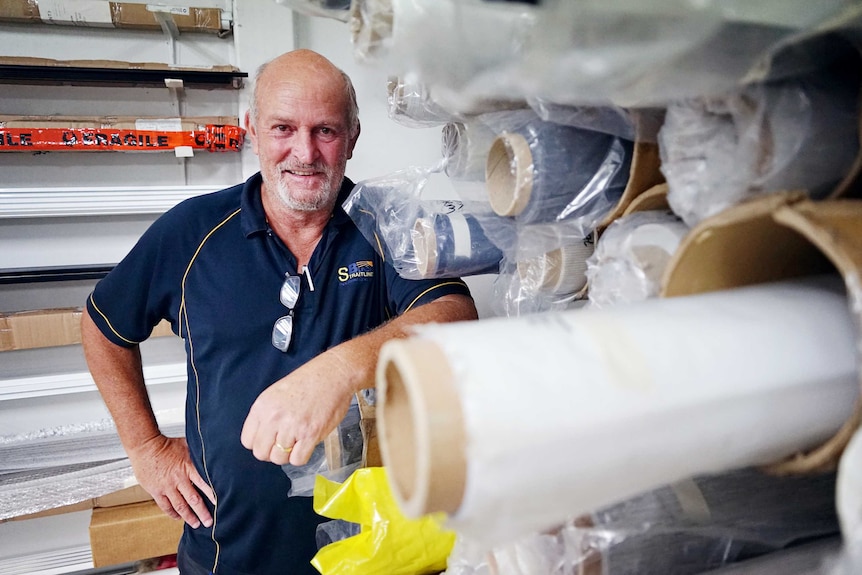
(361, 353)
(118, 373)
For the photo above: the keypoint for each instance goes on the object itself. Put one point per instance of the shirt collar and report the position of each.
(254, 218)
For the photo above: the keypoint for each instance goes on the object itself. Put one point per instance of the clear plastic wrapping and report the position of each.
(687, 528)
(545, 269)
(630, 53)
(631, 256)
(426, 238)
(470, 37)
(409, 103)
(630, 124)
(541, 172)
(38, 490)
(335, 458)
(84, 443)
(797, 134)
(335, 530)
(819, 557)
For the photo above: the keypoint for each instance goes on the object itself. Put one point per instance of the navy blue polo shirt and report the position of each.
(213, 268)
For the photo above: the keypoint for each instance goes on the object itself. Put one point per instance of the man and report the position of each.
(278, 337)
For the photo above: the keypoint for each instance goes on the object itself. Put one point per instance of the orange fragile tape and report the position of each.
(214, 138)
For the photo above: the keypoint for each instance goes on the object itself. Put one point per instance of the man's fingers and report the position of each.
(184, 510)
(195, 503)
(249, 430)
(165, 505)
(203, 486)
(301, 452)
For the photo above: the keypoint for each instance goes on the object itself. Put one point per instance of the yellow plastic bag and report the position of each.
(388, 543)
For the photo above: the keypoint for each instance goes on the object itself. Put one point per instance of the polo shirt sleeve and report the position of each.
(144, 287)
(405, 294)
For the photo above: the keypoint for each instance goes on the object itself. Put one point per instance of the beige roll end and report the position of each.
(425, 246)
(421, 431)
(509, 174)
(562, 271)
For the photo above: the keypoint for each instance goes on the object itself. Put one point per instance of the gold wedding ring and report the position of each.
(283, 448)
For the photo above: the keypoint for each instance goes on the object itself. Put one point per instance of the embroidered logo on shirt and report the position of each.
(360, 270)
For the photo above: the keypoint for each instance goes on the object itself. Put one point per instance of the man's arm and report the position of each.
(161, 464)
(299, 410)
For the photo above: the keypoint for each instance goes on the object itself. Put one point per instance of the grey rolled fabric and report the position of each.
(546, 172)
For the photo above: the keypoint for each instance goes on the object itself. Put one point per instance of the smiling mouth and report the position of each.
(301, 172)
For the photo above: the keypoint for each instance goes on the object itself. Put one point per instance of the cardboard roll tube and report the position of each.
(453, 245)
(768, 239)
(548, 172)
(514, 425)
(561, 271)
(421, 427)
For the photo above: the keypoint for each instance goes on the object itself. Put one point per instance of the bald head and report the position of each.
(308, 68)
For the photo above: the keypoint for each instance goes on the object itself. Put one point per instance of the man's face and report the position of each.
(302, 139)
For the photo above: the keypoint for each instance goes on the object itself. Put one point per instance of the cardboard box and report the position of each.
(103, 14)
(132, 532)
(774, 238)
(368, 424)
(48, 327)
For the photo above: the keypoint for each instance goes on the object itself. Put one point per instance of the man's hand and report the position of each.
(164, 469)
(298, 411)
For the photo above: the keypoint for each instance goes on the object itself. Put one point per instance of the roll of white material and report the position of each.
(559, 272)
(848, 494)
(631, 257)
(557, 414)
(465, 147)
(469, 37)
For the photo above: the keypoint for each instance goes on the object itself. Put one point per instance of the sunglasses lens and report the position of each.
(289, 291)
(281, 332)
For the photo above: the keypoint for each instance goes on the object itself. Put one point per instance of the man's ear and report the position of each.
(251, 129)
(353, 141)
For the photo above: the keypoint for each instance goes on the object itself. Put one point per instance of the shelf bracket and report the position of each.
(169, 27)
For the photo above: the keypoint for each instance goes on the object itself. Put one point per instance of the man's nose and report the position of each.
(304, 148)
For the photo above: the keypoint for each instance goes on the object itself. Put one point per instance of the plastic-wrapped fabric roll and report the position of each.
(453, 244)
(798, 134)
(686, 528)
(513, 425)
(427, 238)
(465, 148)
(820, 557)
(559, 272)
(707, 522)
(631, 257)
(470, 37)
(410, 104)
(547, 172)
(370, 28)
